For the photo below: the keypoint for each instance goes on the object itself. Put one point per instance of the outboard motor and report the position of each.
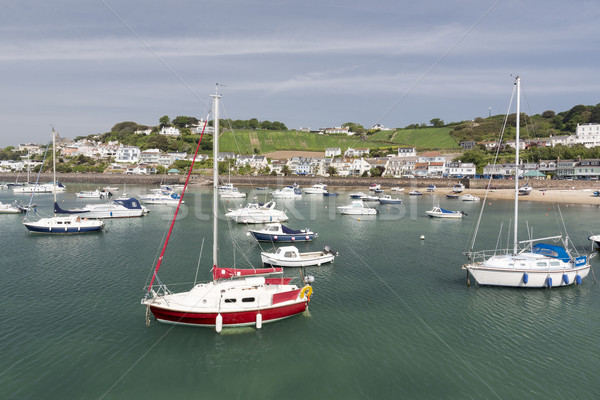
(327, 249)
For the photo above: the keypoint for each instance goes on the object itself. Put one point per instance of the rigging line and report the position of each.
(36, 181)
(199, 257)
(499, 143)
(160, 258)
(154, 53)
(425, 324)
(440, 59)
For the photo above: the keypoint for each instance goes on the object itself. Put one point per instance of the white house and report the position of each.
(588, 135)
(460, 169)
(350, 152)
(150, 156)
(400, 166)
(338, 130)
(128, 154)
(407, 152)
(342, 165)
(169, 131)
(332, 152)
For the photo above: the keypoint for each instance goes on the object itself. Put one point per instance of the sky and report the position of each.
(84, 65)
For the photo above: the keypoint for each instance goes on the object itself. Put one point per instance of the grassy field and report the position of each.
(244, 142)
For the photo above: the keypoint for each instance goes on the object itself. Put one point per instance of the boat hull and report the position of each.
(270, 259)
(444, 215)
(282, 238)
(515, 278)
(32, 227)
(230, 319)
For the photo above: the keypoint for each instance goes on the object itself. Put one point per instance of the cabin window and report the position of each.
(230, 300)
(248, 300)
(289, 254)
(542, 264)
(554, 263)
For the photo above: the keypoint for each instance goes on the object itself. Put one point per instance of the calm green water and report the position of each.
(391, 318)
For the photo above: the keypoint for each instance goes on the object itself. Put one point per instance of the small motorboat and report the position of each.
(330, 194)
(289, 256)
(431, 188)
(256, 213)
(356, 195)
(9, 208)
(262, 188)
(438, 212)
(317, 188)
(375, 186)
(288, 192)
(370, 200)
(387, 199)
(469, 197)
(452, 196)
(96, 194)
(595, 239)
(357, 207)
(397, 189)
(279, 233)
(525, 190)
(458, 188)
(415, 193)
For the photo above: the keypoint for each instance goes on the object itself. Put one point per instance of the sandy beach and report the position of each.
(561, 196)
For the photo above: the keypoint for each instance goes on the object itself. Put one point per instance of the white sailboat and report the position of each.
(235, 297)
(61, 225)
(530, 263)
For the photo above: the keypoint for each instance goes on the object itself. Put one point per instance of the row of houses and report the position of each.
(587, 135)
(583, 169)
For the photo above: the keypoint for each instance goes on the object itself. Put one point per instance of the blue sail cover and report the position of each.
(131, 203)
(551, 250)
(287, 230)
(58, 210)
(446, 211)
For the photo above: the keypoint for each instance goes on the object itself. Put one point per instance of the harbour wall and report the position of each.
(303, 181)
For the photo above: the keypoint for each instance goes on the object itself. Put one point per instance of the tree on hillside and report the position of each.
(548, 114)
(436, 122)
(126, 127)
(331, 171)
(183, 122)
(354, 127)
(164, 121)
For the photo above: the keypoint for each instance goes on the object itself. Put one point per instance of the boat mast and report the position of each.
(53, 165)
(518, 118)
(216, 98)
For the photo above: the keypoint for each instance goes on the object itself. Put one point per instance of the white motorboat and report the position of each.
(525, 190)
(387, 199)
(397, 189)
(96, 194)
(9, 209)
(356, 207)
(458, 188)
(160, 196)
(526, 265)
(438, 212)
(289, 256)
(469, 197)
(287, 192)
(318, 188)
(370, 200)
(228, 191)
(431, 188)
(256, 213)
(374, 186)
(277, 233)
(415, 193)
(356, 195)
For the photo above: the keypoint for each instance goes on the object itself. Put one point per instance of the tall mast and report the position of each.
(53, 165)
(216, 98)
(516, 240)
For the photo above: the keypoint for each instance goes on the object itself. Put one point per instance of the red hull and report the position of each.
(239, 318)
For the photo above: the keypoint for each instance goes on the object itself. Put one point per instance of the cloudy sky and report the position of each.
(84, 65)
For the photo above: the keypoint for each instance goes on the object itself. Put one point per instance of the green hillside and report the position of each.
(245, 141)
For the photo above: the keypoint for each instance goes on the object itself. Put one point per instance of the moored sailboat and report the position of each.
(530, 263)
(235, 297)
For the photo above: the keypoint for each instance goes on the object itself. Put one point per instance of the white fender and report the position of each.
(219, 323)
(258, 321)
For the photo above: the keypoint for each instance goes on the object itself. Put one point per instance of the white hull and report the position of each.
(514, 277)
(256, 218)
(444, 215)
(306, 259)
